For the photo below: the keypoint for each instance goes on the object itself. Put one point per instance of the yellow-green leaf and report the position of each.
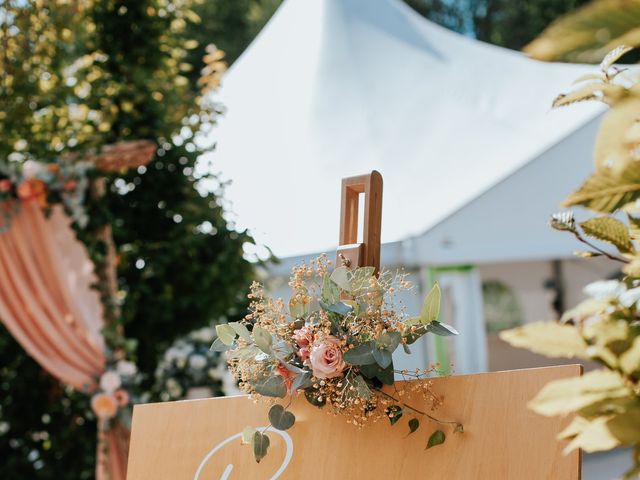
(630, 360)
(606, 191)
(610, 230)
(613, 56)
(571, 394)
(594, 437)
(431, 306)
(548, 338)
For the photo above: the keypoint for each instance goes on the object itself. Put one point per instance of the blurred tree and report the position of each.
(587, 34)
(81, 74)
(506, 23)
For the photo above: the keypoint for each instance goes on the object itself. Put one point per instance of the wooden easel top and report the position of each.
(367, 253)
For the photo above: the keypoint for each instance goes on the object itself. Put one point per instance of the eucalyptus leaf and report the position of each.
(273, 386)
(414, 424)
(260, 445)
(340, 276)
(431, 306)
(441, 329)
(241, 330)
(262, 339)
(362, 354)
(389, 340)
(281, 349)
(247, 435)
(219, 346)
(340, 308)
(301, 381)
(226, 333)
(280, 418)
(382, 357)
(329, 292)
(386, 375)
(436, 438)
(298, 308)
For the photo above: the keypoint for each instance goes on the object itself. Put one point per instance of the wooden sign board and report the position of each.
(200, 439)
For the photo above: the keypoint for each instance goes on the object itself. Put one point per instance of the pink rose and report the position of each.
(304, 339)
(326, 358)
(121, 396)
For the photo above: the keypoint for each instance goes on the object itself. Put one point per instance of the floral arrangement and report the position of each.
(333, 345)
(115, 392)
(190, 369)
(605, 328)
(46, 184)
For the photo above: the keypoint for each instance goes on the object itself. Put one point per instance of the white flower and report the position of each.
(197, 361)
(604, 289)
(629, 297)
(110, 381)
(173, 388)
(31, 169)
(126, 368)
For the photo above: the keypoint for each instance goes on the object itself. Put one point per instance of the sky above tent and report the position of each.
(334, 88)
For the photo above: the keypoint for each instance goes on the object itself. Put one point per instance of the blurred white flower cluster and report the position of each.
(188, 369)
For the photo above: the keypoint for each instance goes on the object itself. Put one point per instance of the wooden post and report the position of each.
(350, 252)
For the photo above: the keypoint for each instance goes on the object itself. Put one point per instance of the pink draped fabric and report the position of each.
(48, 305)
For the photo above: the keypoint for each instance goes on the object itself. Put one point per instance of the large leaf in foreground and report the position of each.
(548, 338)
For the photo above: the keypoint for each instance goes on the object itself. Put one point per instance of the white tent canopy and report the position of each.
(473, 158)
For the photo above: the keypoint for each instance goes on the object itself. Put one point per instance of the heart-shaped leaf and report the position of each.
(262, 339)
(382, 357)
(218, 346)
(273, 386)
(362, 354)
(226, 333)
(260, 445)
(280, 418)
(389, 340)
(436, 438)
(340, 276)
(241, 330)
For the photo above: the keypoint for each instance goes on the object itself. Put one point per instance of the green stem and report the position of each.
(415, 410)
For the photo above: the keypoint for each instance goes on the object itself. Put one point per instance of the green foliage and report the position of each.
(604, 328)
(260, 445)
(77, 76)
(281, 418)
(610, 230)
(436, 438)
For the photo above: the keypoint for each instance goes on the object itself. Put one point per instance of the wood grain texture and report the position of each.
(502, 440)
(371, 186)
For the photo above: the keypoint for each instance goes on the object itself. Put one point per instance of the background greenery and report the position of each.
(86, 73)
